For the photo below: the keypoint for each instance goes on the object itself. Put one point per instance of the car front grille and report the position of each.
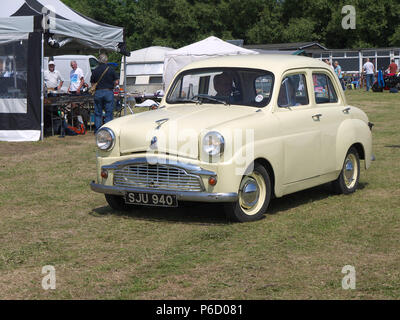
(156, 177)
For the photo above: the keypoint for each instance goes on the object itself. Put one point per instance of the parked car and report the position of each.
(238, 130)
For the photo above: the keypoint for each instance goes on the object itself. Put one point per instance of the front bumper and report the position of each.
(180, 195)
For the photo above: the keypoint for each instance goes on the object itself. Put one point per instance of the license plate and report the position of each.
(151, 199)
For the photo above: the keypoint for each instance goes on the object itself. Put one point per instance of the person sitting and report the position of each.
(225, 88)
(223, 84)
(357, 80)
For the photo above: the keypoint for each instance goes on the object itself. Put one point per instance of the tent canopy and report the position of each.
(69, 29)
(208, 48)
(24, 24)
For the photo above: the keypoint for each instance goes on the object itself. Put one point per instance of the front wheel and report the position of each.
(254, 196)
(347, 182)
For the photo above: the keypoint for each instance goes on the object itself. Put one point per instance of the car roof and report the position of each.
(275, 63)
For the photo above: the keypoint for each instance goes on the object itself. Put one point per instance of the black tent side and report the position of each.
(32, 119)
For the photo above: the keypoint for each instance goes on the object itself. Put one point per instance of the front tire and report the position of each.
(348, 180)
(254, 196)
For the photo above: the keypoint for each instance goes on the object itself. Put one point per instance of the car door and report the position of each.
(299, 128)
(330, 105)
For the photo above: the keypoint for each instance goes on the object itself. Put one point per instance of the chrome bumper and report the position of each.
(180, 195)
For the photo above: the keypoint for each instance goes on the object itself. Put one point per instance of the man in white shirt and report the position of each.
(76, 78)
(369, 70)
(52, 78)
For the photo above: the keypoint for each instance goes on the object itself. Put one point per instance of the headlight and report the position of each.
(105, 139)
(213, 143)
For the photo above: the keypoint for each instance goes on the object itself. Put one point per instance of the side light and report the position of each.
(212, 181)
(104, 173)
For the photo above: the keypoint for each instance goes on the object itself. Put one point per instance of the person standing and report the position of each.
(329, 64)
(339, 73)
(392, 67)
(76, 78)
(369, 70)
(53, 81)
(106, 80)
(52, 78)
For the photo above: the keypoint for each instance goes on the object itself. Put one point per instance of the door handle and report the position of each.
(346, 110)
(316, 117)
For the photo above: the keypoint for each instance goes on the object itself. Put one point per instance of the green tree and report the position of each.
(175, 23)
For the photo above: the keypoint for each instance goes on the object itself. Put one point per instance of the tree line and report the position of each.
(176, 23)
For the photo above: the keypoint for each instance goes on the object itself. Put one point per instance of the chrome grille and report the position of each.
(156, 176)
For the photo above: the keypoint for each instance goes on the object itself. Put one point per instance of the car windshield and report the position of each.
(228, 86)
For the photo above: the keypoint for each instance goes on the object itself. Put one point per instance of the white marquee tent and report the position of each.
(208, 48)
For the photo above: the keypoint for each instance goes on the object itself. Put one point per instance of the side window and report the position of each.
(154, 80)
(323, 89)
(293, 91)
(130, 81)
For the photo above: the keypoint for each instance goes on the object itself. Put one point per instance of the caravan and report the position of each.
(144, 70)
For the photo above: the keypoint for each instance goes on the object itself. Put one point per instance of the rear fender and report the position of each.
(351, 132)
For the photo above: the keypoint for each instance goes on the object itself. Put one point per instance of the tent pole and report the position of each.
(42, 92)
(124, 85)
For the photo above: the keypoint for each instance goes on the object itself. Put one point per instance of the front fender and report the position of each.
(350, 132)
(241, 163)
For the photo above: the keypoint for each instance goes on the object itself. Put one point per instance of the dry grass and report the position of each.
(49, 216)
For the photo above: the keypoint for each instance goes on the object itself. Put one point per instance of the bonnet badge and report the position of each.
(153, 143)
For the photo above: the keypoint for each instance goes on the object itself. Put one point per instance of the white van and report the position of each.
(63, 64)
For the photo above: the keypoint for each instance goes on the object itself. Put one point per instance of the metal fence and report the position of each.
(351, 61)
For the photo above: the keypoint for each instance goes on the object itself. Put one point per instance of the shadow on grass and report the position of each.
(205, 213)
(302, 197)
(191, 213)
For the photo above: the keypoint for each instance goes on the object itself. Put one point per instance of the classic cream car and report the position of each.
(238, 130)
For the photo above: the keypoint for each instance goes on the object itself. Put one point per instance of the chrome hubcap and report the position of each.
(350, 171)
(250, 193)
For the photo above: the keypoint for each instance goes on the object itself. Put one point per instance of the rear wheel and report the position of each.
(347, 182)
(254, 196)
(117, 202)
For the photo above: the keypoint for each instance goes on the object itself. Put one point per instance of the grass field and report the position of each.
(49, 216)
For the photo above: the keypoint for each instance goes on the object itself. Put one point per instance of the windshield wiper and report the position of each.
(199, 97)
